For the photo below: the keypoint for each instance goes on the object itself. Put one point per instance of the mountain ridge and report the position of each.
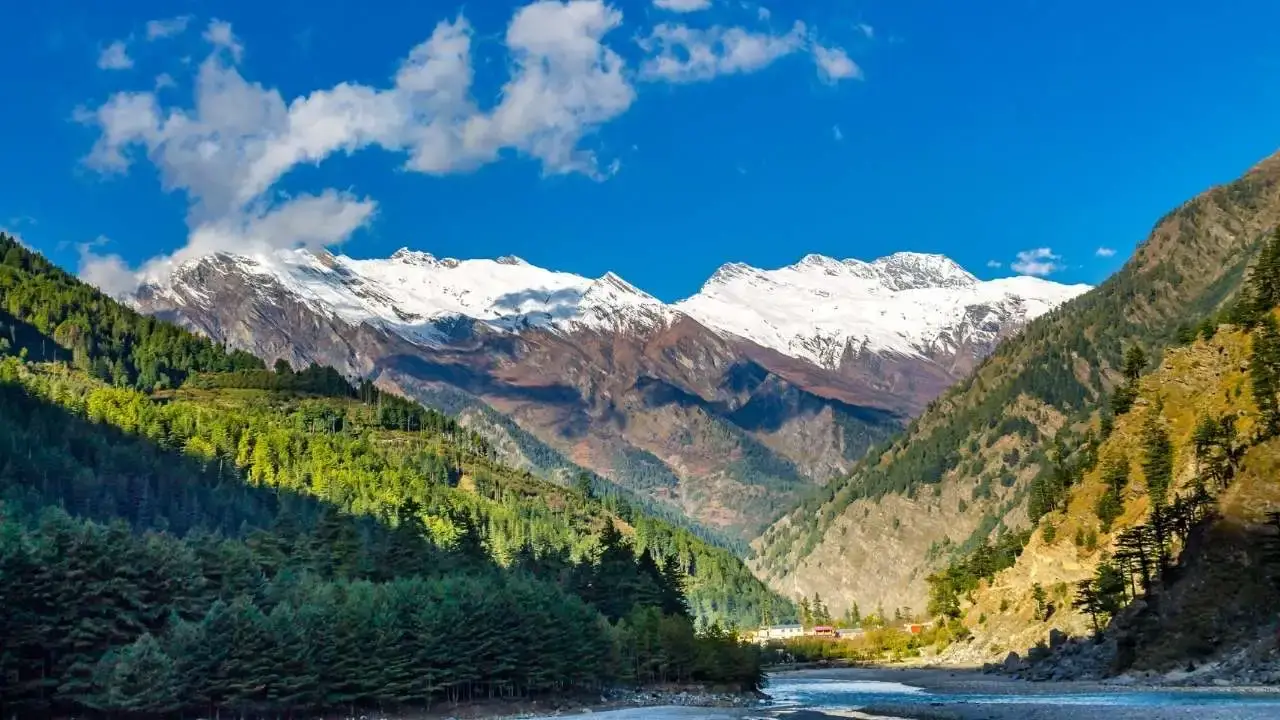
(974, 458)
(665, 402)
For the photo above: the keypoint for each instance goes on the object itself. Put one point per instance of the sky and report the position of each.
(655, 138)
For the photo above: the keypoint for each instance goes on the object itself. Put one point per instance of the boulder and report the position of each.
(1012, 663)
(1057, 639)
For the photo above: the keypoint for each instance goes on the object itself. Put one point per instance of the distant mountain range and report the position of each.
(726, 405)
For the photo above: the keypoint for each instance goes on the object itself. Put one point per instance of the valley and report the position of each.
(727, 407)
(640, 358)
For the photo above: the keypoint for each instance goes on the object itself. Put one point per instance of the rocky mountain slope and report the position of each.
(963, 469)
(1212, 614)
(727, 405)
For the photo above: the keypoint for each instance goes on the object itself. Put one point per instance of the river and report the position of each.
(945, 695)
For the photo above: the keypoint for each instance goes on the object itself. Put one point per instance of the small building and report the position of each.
(825, 631)
(778, 632)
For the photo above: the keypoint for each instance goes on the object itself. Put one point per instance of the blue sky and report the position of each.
(595, 136)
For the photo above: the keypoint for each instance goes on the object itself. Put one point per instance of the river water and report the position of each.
(967, 696)
(816, 695)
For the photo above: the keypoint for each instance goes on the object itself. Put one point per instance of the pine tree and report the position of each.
(1157, 458)
(140, 678)
(1264, 373)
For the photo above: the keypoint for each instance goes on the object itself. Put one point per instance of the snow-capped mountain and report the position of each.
(414, 294)
(726, 405)
(825, 310)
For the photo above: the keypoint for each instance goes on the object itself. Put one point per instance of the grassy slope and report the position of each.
(1207, 378)
(909, 497)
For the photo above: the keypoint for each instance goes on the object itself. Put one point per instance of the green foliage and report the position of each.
(1157, 458)
(103, 337)
(1063, 469)
(272, 531)
(1049, 533)
(1041, 600)
(961, 577)
(1264, 373)
(1115, 476)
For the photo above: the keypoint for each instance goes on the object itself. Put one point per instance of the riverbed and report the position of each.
(927, 694)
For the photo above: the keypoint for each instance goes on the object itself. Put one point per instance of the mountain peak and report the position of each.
(822, 262)
(912, 270)
(728, 272)
(414, 257)
(907, 304)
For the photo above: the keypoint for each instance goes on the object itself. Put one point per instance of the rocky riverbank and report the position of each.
(616, 699)
(1062, 659)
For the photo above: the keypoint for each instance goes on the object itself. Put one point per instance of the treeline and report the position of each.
(263, 547)
(106, 339)
(392, 412)
(99, 618)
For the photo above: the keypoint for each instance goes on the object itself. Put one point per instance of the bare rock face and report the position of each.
(728, 427)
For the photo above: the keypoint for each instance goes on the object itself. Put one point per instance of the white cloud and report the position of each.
(682, 6)
(834, 64)
(867, 30)
(109, 272)
(115, 57)
(157, 29)
(837, 133)
(228, 151)
(763, 13)
(219, 35)
(565, 83)
(1039, 262)
(310, 221)
(1104, 252)
(165, 80)
(994, 264)
(682, 54)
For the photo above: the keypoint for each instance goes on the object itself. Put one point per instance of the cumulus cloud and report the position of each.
(994, 264)
(1105, 252)
(228, 151)
(681, 54)
(115, 57)
(867, 30)
(157, 29)
(763, 13)
(682, 5)
(834, 64)
(1039, 261)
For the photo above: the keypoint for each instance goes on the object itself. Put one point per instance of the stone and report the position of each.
(1057, 639)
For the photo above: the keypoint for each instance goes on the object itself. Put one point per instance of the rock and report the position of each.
(1057, 639)
(1222, 682)
(1012, 662)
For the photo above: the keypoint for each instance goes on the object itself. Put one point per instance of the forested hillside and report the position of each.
(1161, 541)
(976, 459)
(182, 528)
